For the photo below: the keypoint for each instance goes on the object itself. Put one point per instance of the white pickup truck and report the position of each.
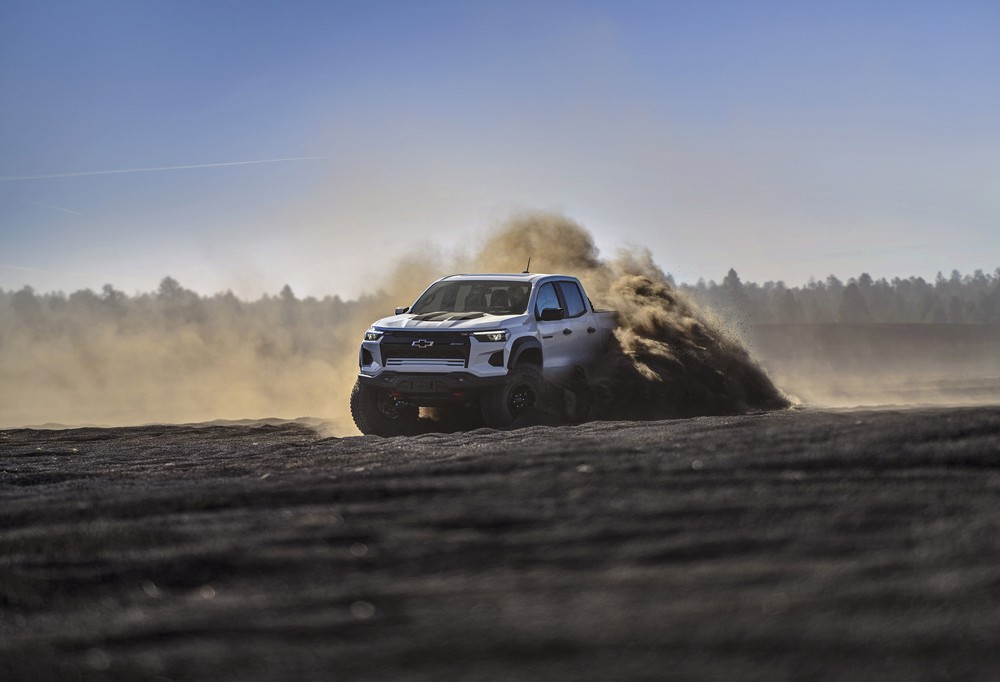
(487, 342)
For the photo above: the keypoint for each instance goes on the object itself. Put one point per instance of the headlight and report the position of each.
(495, 336)
(372, 335)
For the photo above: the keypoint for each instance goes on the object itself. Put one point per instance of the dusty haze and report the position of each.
(174, 356)
(857, 365)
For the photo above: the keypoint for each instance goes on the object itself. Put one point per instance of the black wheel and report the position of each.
(518, 397)
(377, 413)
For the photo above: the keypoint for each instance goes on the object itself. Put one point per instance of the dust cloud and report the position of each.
(172, 357)
(176, 357)
(669, 359)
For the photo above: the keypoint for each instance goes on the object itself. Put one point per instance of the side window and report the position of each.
(546, 299)
(574, 299)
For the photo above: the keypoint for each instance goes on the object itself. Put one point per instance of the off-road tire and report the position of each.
(518, 397)
(376, 413)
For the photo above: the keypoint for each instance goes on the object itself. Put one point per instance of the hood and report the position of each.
(466, 322)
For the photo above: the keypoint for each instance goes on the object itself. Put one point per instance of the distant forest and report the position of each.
(957, 299)
(275, 326)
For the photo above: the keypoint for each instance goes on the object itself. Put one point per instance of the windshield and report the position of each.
(474, 296)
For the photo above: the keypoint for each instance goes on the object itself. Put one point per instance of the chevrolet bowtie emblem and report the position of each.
(422, 343)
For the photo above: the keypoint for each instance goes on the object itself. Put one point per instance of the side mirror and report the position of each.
(400, 311)
(552, 314)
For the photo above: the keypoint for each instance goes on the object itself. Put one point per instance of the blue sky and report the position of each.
(784, 139)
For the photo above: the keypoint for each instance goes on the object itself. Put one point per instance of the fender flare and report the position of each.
(520, 346)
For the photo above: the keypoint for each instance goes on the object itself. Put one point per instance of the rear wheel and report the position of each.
(518, 397)
(376, 412)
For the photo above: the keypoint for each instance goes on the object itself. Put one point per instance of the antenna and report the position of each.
(527, 267)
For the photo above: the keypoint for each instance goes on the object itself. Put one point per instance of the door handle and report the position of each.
(567, 332)
(591, 330)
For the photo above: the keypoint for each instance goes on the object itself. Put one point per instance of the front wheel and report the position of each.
(519, 396)
(377, 413)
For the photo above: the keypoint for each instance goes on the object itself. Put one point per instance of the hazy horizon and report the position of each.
(179, 357)
(991, 274)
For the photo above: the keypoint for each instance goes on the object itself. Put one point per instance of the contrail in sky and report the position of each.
(51, 206)
(157, 169)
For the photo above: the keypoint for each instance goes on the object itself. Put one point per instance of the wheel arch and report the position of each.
(525, 349)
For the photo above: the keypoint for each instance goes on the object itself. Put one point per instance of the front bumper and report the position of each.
(446, 386)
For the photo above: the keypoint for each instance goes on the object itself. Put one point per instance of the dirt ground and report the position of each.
(802, 544)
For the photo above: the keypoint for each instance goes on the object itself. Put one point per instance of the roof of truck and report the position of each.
(510, 276)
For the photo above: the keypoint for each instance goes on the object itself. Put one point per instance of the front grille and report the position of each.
(433, 362)
(432, 347)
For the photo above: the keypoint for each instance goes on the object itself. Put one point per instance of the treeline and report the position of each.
(957, 299)
(283, 322)
(275, 325)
